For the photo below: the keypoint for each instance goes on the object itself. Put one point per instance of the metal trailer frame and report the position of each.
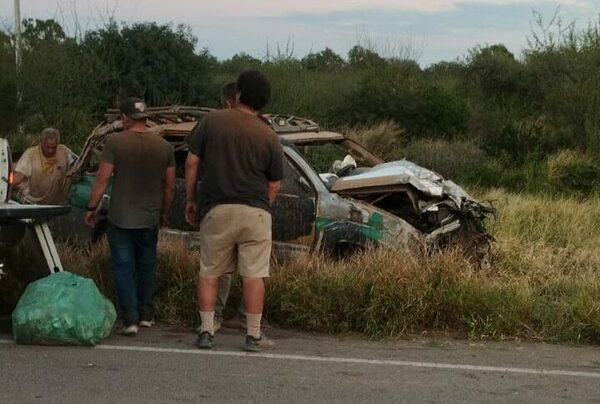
(46, 241)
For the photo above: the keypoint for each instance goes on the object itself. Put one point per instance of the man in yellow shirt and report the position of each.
(40, 172)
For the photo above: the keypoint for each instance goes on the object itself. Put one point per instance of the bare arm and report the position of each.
(102, 178)
(168, 192)
(274, 187)
(18, 178)
(191, 180)
(23, 169)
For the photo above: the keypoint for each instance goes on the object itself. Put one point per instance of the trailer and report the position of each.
(26, 244)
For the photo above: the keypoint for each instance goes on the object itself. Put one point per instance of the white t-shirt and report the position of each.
(45, 176)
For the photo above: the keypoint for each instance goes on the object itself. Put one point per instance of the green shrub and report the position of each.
(8, 84)
(564, 84)
(495, 71)
(443, 112)
(487, 174)
(448, 158)
(423, 108)
(530, 177)
(526, 139)
(570, 171)
(318, 95)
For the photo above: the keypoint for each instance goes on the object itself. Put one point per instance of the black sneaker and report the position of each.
(257, 344)
(205, 340)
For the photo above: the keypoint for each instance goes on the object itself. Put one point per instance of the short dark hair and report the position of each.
(254, 89)
(229, 91)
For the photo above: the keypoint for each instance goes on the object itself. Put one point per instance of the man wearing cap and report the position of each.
(143, 166)
(41, 170)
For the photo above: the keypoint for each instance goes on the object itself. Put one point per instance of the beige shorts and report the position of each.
(231, 234)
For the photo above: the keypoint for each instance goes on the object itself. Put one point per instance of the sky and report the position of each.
(427, 31)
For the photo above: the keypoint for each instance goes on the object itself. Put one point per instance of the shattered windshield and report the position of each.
(337, 157)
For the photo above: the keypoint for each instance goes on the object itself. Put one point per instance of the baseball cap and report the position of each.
(134, 108)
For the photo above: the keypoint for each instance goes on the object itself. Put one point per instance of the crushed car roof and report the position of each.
(179, 121)
(312, 137)
(175, 123)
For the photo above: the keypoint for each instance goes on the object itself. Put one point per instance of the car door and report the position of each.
(294, 214)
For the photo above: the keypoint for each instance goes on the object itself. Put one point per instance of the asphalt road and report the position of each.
(160, 366)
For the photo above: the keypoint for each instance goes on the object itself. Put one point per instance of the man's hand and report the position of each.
(273, 190)
(90, 218)
(191, 215)
(102, 178)
(164, 220)
(18, 178)
(168, 192)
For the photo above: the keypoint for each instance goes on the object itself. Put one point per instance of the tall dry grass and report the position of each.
(175, 282)
(543, 284)
(387, 139)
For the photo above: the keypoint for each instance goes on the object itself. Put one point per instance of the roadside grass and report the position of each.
(543, 285)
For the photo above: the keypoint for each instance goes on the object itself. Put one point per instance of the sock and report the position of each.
(253, 324)
(208, 322)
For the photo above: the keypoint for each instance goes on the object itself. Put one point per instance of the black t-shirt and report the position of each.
(239, 155)
(140, 162)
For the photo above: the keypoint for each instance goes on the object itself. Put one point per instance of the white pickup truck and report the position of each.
(21, 224)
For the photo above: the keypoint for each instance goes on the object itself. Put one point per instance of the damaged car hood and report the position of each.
(400, 172)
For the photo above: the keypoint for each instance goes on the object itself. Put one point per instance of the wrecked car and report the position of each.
(337, 197)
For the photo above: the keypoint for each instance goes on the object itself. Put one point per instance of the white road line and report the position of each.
(356, 361)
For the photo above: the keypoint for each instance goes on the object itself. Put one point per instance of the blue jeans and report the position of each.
(133, 256)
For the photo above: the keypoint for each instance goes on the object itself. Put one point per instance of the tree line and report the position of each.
(519, 110)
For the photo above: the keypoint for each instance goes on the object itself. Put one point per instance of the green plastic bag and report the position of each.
(81, 190)
(63, 308)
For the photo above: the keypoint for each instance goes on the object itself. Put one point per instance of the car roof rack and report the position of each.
(171, 113)
(290, 124)
(281, 123)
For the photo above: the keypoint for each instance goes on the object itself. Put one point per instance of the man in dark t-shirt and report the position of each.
(143, 166)
(241, 164)
(228, 101)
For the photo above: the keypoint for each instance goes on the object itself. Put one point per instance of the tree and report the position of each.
(422, 108)
(360, 57)
(8, 88)
(240, 62)
(327, 59)
(496, 70)
(50, 77)
(36, 32)
(155, 62)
